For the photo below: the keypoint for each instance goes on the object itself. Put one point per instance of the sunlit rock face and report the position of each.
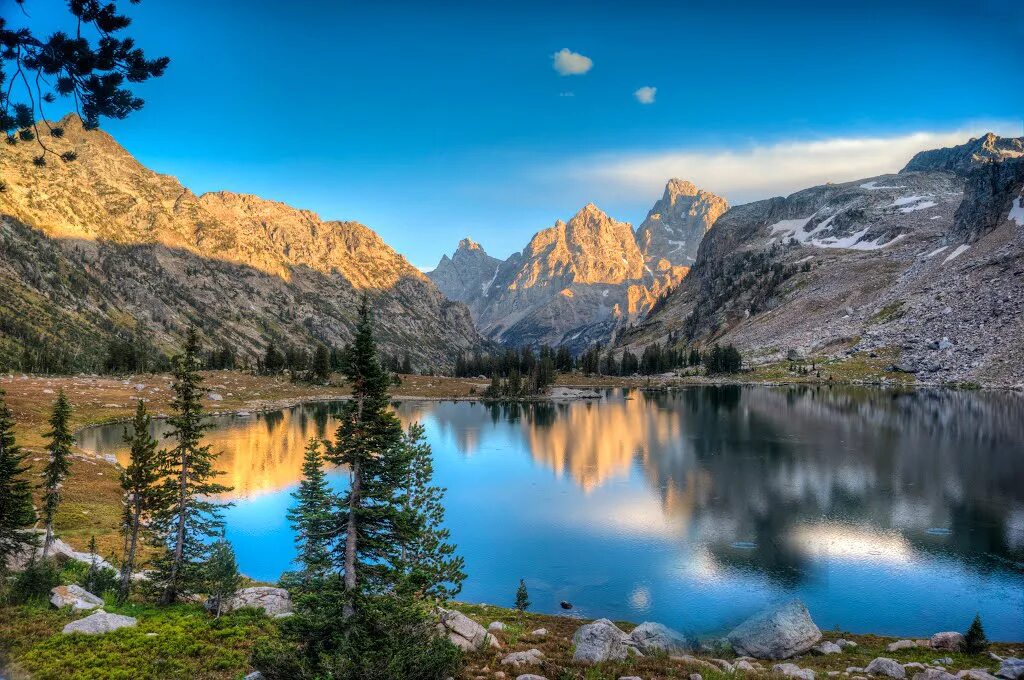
(581, 281)
(910, 265)
(674, 227)
(104, 233)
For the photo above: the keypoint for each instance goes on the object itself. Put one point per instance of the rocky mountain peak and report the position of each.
(674, 227)
(467, 244)
(961, 159)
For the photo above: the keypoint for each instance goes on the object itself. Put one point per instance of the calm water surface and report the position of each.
(886, 512)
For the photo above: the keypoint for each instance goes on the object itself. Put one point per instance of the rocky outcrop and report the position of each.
(464, 632)
(791, 670)
(1011, 669)
(273, 601)
(949, 641)
(964, 158)
(467, 275)
(104, 247)
(673, 229)
(650, 638)
(531, 657)
(886, 667)
(777, 633)
(74, 596)
(600, 641)
(100, 622)
(993, 193)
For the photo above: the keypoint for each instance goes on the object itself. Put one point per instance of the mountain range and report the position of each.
(925, 266)
(581, 281)
(103, 248)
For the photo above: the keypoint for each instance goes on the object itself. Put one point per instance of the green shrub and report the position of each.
(975, 641)
(35, 583)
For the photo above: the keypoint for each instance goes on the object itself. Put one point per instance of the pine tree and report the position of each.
(433, 568)
(321, 363)
(16, 512)
(94, 567)
(522, 597)
(312, 518)
(221, 575)
(975, 641)
(185, 517)
(406, 364)
(58, 465)
(139, 490)
(370, 442)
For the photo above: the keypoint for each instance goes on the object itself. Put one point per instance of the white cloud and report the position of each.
(645, 95)
(755, 171)
(569, 63)
(566, 94)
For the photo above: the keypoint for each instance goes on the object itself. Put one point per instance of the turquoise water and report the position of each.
(890, 512)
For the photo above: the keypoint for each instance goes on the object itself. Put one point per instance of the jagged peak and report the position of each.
(963, 158)
(680, 187)
(469, 244)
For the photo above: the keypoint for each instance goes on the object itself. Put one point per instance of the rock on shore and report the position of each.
(777, 633)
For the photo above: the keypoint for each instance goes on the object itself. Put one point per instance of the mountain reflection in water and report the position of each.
(887, 511)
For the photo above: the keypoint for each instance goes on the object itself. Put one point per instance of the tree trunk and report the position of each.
(129, 553)
(47, 540)
(171, 592)
(352, 528)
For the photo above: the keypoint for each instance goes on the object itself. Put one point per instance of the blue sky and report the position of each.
(432, 121)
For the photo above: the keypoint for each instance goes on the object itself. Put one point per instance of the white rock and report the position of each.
(887, 667)
(846, 644)
(949, 640)
(650, 637)
(777, 633)
(900, 644)
(213, 396)
(496, 626)
(539, 633)
(255, 675)
(934, 674)
(1011, 669)
(600, 641)
(827, 648)
(273, 601)
(74, 596)
(976, 674)
(791, 670)
(532, 657)
(530, 676)
(464, 632)
(99, 622)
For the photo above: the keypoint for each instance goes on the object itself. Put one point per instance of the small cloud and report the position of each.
(570, 63)
(566, 94)
(645, 95)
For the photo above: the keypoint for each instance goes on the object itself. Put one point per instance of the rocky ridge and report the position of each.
(103, 246)
(584, 280)
(927, 264)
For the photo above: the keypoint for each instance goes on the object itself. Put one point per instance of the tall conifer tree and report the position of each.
(16, 513)
(371, 443)
(313, 516)
(139, 490)
(186, 517)
(432, 567)
(58, 465)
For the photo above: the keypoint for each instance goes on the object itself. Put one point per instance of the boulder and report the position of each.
(746, 666)
(273, 601)
(99, 622)
(900, 644)
(846, 644)
(539, 633)
(934, 674)
(532, 657)
(650, 637)
(948, 641)
(976, 674)
(255, 675)
(826, 647)
(886, 667)
(530, 676)
(944, 661)
(76, 597)
(1011, 669)
(600, 641)
(496, 626)
(777, 633)
(791, 670)
(464, 632)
